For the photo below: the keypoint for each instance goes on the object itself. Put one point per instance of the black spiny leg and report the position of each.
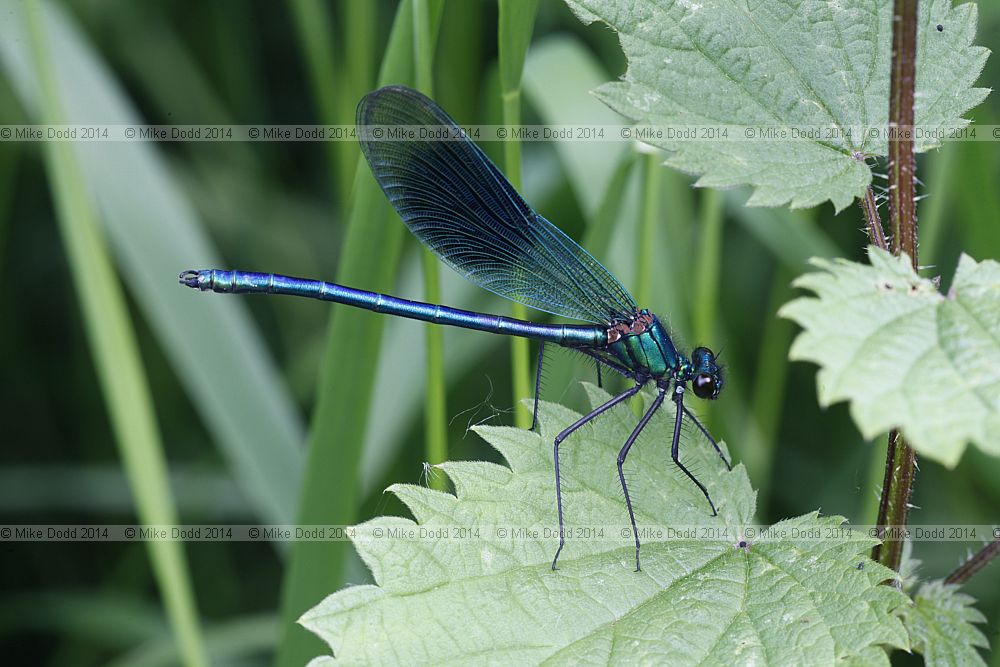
(538, 384)
(675, 446)
(601, 409)
(718, 450)
(602, 362)
(600, 384)
(657, 402)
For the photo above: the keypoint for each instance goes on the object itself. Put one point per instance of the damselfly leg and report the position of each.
(675, 445)
(538, 383)
(657, 402)
(718, 450)
(590, 416)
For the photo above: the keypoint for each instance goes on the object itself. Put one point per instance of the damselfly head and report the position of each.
(706, 380)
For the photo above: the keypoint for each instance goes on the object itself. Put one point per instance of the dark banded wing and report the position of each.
(459, 204)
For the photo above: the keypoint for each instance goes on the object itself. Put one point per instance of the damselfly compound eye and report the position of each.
(703, 385)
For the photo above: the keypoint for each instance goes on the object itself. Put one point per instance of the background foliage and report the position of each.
(719, 272)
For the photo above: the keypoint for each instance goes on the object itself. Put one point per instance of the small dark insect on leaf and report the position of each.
(940, 28)
(861, 565)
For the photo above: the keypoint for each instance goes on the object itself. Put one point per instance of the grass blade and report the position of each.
(705, 304)
(312, 21)
(155, 234)
(359, 20)
(652, 194)
(708, 265)
(759, 441)
(517, 21)
(116, 353)
(791, 236)
(236, 641)
(435, 401)
(331, 484)
(100, 490)
(559, 74)
(110, 621)
(942, 177)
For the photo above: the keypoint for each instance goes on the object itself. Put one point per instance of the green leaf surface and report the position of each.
(905, 355)
(452, 601)
(810, 64)
(940, 623)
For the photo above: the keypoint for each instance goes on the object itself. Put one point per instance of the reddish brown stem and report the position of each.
(901, 461)
(975, 564)
(902, 165)
(874, 220)
(894, 506)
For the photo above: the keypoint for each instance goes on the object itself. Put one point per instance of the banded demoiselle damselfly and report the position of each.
(458, 204)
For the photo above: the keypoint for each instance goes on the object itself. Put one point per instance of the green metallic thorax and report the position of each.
(643, 347)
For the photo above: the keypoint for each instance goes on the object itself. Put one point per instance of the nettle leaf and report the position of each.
(905, 355)
(812, 64)
(940, 623)
(795, 598)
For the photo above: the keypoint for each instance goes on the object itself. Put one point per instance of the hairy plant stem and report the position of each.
(902, 165)
(874, 220)
(894, 505)
(901, 461)
(977, 562)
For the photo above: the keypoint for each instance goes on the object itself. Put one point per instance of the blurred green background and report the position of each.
(117, 381)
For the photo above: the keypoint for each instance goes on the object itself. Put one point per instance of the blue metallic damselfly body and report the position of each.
(458, 204)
